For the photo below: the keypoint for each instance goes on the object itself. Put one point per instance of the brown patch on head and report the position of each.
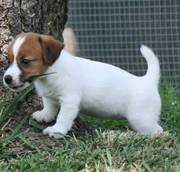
(36, 53)
(10, 55)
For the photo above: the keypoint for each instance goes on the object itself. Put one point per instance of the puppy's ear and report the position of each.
(51, 49)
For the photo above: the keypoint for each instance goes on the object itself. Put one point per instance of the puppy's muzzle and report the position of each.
(8, 79)
(14, 85)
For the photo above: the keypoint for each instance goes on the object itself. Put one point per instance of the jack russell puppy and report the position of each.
(76, 85)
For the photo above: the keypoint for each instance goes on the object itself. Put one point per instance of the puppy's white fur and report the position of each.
(103, 90)
(79, 85)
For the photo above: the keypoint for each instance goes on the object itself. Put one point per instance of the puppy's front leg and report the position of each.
(69, 111)
(49, 112)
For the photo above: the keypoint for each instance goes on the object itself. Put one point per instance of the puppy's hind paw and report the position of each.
(158, 130)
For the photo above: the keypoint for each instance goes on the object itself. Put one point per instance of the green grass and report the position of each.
(106, 146)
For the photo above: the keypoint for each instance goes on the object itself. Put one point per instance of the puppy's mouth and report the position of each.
(18, 88)
(25, 82)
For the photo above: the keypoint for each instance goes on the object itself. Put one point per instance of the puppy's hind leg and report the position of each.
(145, 124)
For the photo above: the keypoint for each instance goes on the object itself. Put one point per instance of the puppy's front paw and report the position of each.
(42, 116)
(54, 131)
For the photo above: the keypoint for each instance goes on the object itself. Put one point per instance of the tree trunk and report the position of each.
(41, 16)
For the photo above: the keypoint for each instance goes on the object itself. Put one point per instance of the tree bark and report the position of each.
(41, 16)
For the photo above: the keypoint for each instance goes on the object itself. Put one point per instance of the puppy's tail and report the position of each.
(70, 41)
(153, 71)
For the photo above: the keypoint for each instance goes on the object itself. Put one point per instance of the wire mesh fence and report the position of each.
(112, 31)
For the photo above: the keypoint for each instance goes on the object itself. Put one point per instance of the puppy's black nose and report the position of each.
(8, 79)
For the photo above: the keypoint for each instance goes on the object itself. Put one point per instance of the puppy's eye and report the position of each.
(26, 62)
